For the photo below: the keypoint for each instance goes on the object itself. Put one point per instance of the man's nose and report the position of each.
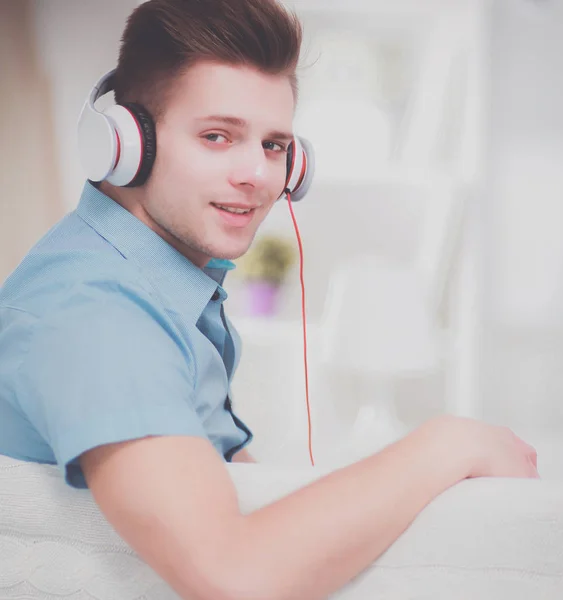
(250, 167)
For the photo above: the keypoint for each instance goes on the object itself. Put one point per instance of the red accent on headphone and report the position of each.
(142, 142)
(290, 172)
(303, 171)
(118, 153)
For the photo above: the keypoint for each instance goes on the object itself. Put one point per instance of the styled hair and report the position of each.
(164, 38)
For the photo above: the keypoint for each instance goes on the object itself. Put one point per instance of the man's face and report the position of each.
(222, 145)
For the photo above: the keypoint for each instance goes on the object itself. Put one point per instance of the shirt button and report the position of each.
(215, 296)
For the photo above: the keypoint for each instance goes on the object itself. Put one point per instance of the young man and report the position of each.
(116, 356)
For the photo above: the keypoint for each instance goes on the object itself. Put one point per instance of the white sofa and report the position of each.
(482, 539)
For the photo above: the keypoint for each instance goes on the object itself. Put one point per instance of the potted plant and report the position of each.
(264, 269)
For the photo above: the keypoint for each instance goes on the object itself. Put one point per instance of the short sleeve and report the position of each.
(106, 367)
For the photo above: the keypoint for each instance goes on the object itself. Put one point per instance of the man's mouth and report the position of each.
(235, 216)
(234, 210)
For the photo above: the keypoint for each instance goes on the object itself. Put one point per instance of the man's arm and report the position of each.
(172, 500)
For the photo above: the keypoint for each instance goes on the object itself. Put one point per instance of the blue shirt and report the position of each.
(107, 334)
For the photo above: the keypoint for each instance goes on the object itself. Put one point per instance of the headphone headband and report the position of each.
(104, 85)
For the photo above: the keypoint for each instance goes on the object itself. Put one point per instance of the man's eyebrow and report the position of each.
(241, 123)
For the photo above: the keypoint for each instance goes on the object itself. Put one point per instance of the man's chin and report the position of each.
(230, 253)
(231, 247)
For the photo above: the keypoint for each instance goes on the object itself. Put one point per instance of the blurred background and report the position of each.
(432, 234)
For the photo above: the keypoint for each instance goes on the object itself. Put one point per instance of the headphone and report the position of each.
(118, 145)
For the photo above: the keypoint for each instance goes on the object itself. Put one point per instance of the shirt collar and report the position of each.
(169, 271)
(217, 269)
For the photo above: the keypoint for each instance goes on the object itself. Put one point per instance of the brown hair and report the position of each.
(163, 38)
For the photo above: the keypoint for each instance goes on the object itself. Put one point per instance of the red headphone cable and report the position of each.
(304, 320)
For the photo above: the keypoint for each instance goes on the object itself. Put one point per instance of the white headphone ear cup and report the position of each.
(97, 144)
(303, 182)
(131, 145)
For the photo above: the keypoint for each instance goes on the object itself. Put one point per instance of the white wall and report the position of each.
(29, 203)
(78, 41)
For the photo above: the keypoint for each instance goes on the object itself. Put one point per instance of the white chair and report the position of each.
(54, 542)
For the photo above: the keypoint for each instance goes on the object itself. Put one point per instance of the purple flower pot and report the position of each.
(261, 298)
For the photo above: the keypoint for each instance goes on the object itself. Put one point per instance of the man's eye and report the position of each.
(214, 137)
(274, 146)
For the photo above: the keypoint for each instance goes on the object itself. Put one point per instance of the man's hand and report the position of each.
(487, 450)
